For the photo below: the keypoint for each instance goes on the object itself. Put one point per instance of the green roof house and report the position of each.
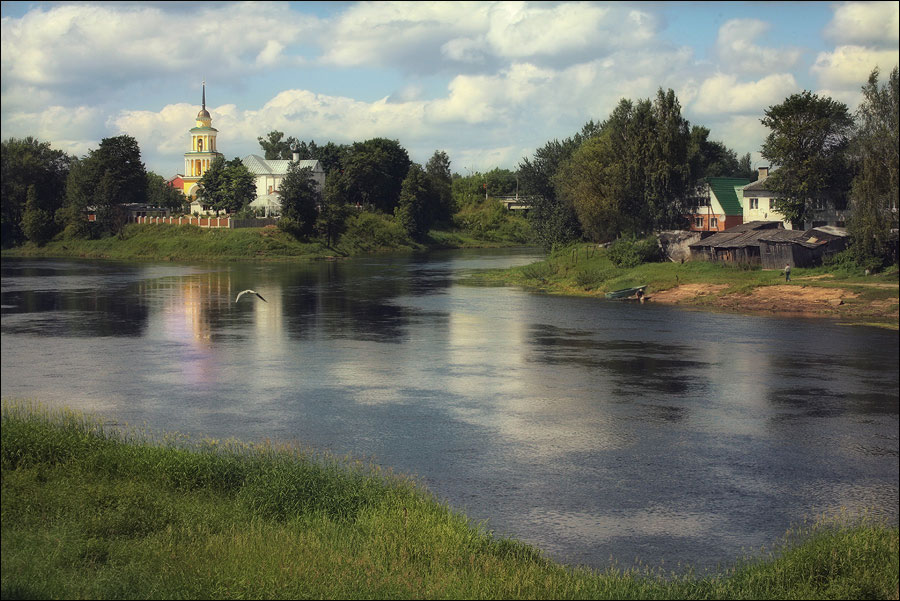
(718, 205)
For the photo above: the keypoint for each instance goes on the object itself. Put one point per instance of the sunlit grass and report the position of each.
(91, 511)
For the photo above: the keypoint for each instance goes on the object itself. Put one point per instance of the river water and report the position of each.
(593, 429)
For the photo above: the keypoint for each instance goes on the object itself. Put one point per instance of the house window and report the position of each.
(713, 222)
(698, 221)
(270, 189)
(773, 204)
(754, 203)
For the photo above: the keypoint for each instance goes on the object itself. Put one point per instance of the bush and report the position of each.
(631, 252)
(489, 220)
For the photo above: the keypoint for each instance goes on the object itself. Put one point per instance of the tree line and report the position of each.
(639, 171)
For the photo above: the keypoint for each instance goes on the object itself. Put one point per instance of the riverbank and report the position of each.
(91, 512)
(587, 271)
(161, 242)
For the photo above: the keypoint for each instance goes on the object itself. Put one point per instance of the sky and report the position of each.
(486, 82)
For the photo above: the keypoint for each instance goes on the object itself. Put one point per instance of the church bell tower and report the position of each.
(202, 151)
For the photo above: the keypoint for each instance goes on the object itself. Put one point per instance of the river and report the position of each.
(589, 428)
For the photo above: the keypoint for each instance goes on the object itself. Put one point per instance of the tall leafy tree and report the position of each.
(240, 184)
(374, 172)
(710, 158)
(331, 156)
(876, 150)
(28, 162)
(299, 199)
(120, 157)
(808, 141)
(415, 208)
(552, 217)
(37, 223)
(438, 171)
(276, 146)
(213, 186)
(333, 210)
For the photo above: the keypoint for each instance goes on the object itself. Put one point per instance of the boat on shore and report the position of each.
(627, 292)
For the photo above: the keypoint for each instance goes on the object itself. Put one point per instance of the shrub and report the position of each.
(631, 252)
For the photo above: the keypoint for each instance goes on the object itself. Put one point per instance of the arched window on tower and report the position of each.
(199, 144)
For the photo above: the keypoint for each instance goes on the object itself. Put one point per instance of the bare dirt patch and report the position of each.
(794, 299)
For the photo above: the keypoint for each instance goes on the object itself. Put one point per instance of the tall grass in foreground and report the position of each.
(89, 512)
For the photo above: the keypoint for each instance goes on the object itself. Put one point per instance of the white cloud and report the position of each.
(722, 93)
(92, 49)
(848, 67)
(737, 52)
(865, 24)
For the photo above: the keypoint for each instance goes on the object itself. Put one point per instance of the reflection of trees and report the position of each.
(643, 366)
(76, 313)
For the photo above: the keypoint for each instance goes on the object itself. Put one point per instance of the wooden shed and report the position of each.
(739, 244)
(798, 248)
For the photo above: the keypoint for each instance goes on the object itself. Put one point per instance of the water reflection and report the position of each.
(589, 428)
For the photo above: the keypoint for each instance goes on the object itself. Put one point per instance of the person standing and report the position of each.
(787, 272)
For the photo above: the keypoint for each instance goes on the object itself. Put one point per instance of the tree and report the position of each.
(105, 180)
(333, 211)
(331, 156)
(37, 223)
(709, 158)
(299, 198)
(275, 146)
(415, 208)
(29, 162)
(374, 172)
(161, 194)
(240, 186)
(876, 150)
(213, 186)
(438, 171)
(552, 217)
(808, 143)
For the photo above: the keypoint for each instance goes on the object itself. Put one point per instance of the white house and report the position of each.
(269, 175)
(761, 204)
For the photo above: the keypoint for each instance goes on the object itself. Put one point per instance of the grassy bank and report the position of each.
(91, 513)
(586, 270)
(363, 233)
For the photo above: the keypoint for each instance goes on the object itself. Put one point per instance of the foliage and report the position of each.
(552, 217)
(161, 194)
(489, 220)
(37, 223)
(478, 187)
(713, 159)
(808, 141)
(415, 209)
(212, 188)
(333, 213)
(631, 252)
(227, 186)
(28, 162)
(876, 150)
(276, 147)
(299, 199)
(374, 172)
(371, 232)
(438, 171)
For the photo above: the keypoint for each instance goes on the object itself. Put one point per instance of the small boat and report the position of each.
(626, 292)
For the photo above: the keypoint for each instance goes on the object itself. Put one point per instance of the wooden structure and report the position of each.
(739, 244)
(800, 249)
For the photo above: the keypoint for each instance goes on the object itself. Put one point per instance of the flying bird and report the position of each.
(243, 292)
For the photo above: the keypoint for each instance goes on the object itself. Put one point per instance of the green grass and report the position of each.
(94, 512)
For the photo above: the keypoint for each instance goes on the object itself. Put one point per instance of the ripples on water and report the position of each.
(590, 428)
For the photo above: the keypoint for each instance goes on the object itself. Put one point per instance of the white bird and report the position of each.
(243, 292)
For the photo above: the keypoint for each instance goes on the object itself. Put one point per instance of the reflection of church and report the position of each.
(268, 173)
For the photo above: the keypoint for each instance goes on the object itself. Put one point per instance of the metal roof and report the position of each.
(257, 165)
(725, 190)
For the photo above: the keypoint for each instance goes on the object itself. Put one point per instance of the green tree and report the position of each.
(415, 209)
(104, 181)
(333, 212)
(29, 162)
(37, 223)
(213, 186)
(276, 146)
(746, 170)
(553, 218)
(709, 158)
(876, 150)
(438, 171)
(331, 156)
(161, 194)
(374, 172)
(808, 141)
(299, 199)
(240, 185)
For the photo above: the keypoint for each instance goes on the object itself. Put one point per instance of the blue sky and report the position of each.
(487, 82)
